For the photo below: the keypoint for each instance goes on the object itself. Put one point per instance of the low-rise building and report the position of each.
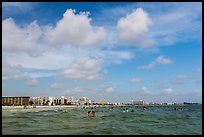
(103, 102)
(15, 101)
(140, 102)
(84, 101)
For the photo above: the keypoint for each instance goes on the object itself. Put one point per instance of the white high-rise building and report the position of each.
(84, 100)
(51, 101)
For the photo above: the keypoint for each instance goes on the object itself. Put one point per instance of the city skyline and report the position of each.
(119, 51)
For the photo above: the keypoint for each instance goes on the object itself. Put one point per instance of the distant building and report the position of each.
(61, 101)
(40, 101)
(57, 101)
(84, 101)
(51, 100)
(103, 102)
(146, 103)
(164, 103)
(170, 103)
(140, 102)
(70, 100)
(15, 101)
(119, 103)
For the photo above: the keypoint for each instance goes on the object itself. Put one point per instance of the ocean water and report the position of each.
(156, 120)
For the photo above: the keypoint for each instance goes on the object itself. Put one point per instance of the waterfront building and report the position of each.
(103, 102)
(119, 103)
(15, 101)
(170, 103)
(70, 99)
(84, 101)
(140, 102)
(57, 101)
(146, 103)
(37, 101)
(61, 101)
(51, 99)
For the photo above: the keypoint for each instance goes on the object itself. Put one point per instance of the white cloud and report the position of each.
(12, 72)
(180, 79)
(145, 90)
(49, 61)
(32, 82)
(22, 6)
(84, 68)
(30, 39)
(181, 76)
(111, 56)
(200, 71)
(134, 29)
(16, 39)
(172, 25)
(109, 89)
(57, 86)
(35, 74)
(12, 4)
(168, 90)
(135, 80)
(17, 72)
(159, 60)
(101, 90)
(163, 60)
(78, 89)
(75, 30)
(178, 23)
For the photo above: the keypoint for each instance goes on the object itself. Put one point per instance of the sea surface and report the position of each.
(156, 120)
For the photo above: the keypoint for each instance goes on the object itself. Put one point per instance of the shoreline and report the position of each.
(36, 107)
(82, 106)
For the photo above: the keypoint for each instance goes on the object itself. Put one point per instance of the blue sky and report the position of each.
(118, 51)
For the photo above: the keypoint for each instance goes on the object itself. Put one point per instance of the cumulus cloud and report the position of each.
(109, 89)
(75, 30)
(17, 72)
(36, 74)
(159, 60)
(168, 90)
(84, 68)
(12, 7)
(32, 82)
(179, 24)
(78, 89)
(12, 72)
(48, 61)
(145, 90)
(200, 71)
(16, 39)
(111, 56)
(105, 89)
(100, 90)
(57, 86)
(134, 28)
(135, 80)
(180, 79)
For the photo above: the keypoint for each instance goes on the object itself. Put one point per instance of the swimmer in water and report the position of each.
(91, 113)
(132, 110)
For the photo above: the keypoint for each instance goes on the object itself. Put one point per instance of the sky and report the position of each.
(118, 51)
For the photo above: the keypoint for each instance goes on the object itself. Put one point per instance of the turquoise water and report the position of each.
(161, 120)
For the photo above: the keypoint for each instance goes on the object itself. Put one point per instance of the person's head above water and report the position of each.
(91, 113)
